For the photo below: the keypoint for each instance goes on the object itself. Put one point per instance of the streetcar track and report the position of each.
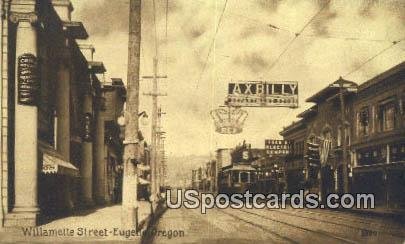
(359, 220)
(319, 232)
(363, 220)
(261, 227)
(337, 223)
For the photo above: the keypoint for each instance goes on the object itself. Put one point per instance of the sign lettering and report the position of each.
(263, 94)
(28, 81)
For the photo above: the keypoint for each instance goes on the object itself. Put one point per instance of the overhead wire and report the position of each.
(296, 36)
(155, 28)
(166, 40)
(278, 28)
(373, 57)
(212, 43)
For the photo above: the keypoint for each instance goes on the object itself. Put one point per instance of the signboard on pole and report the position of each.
(277, 147)
(263, 94)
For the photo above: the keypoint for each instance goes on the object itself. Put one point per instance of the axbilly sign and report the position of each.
(263, 94)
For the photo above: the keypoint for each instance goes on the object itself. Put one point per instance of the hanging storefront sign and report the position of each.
(88, 127)
(28, 81)
(277, 147)
(263, 94)
(229, 120)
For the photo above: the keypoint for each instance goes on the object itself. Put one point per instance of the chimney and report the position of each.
(88, 51)
(64, 8)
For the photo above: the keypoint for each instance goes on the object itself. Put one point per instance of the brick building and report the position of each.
(320, 124)
(374, 133)
(379, 138)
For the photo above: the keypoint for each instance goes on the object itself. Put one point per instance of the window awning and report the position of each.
(144, 167)
(54, 165)
(143, 181)
(240, 168)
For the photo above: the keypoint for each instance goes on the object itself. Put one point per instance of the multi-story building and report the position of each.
(294, 164)
(378, 142)
(108, 145)
(223, 159)
(52, 105)
(373, 132)
(211, 172)
(321, 125)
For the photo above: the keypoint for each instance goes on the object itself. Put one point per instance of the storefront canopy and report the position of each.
(241, 167)
(54, 165)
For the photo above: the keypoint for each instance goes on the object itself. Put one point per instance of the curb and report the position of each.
(151, 220)
(145, 224)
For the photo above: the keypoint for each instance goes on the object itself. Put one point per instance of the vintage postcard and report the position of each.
(202, 121)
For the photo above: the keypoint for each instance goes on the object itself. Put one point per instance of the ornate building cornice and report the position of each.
(16, 17)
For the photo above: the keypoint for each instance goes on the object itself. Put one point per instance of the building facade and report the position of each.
(52, 105)
(294, 163)
(371, 133)
(379, 138)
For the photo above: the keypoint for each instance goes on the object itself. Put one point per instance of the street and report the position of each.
(276, 226)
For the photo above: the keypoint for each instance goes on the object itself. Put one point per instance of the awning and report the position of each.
(54, 165)
(400, 165)
(143, 181)
(143, 167)
(240, 168)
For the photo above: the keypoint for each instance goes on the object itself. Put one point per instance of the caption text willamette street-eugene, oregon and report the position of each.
(102, 232)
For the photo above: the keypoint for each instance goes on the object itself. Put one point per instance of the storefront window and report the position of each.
(370, 156)
(397, 152)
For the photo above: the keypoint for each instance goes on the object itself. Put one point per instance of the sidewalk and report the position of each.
(99, 224)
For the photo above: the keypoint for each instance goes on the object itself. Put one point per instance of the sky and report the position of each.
(338, 40)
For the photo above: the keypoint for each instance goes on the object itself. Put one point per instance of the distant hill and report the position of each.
(179, 169)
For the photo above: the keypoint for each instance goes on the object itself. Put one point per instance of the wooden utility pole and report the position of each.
(160, 147)
(155, 94)
(129, 218)
(344, 88)
(344, 149)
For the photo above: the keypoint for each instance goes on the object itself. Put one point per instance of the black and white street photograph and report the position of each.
(202, 121)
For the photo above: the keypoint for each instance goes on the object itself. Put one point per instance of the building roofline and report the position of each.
(97, 67)
(295, 125)
(386, 74)
(329, 91)
(75, 29)
(309, 112)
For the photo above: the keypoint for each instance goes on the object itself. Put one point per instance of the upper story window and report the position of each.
(363, 121)
(386, 115)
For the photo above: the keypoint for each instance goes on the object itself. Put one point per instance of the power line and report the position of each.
(296, 36)
(155, 29)
(373, 57)
(346, 38)
(166, 40)
(212, 43)
(278, 28)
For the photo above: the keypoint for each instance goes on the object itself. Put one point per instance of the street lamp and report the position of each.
(143, 117)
